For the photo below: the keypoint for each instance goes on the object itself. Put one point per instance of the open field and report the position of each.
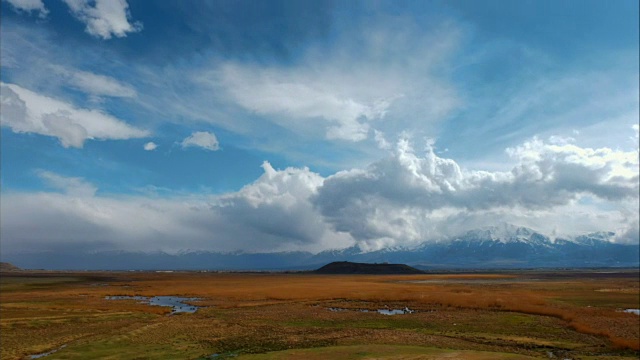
(523, 315)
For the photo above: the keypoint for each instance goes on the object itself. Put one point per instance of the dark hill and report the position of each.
(346, 267)
(5, 266)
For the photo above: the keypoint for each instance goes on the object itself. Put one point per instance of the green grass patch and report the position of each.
(114, 349)
(610, 300)
(384, 322)
(355, 352)
(514, 319)
(19, 283)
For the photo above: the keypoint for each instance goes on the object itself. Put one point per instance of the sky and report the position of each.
(284, 125)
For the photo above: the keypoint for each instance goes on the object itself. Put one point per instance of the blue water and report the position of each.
(395, 311)
(175, 302)
(406, 310)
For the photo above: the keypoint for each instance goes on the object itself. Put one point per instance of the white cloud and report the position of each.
(272, 214)
(104, 18)
(277, 207)
(150, 146)
(73, 186)
(404, 199)
(629, 230)
(268, 91)
(29, 6)
(26, 111)
(557, 103)
(94, 84)
(203, 139)
(344, 93)
(36, 62)
(381, 141)
(60, 125)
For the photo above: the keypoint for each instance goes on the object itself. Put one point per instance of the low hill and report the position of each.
(5, 266)
(346, 267)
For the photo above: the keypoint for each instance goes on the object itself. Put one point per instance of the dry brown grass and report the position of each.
(249, 309)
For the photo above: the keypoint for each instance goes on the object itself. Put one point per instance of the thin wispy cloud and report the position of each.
(94, 84)
(72, 186)
(347, 94)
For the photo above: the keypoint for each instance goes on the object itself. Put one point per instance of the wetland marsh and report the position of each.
(273, 316)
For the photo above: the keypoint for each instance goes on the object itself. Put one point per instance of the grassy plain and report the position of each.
(520, 315)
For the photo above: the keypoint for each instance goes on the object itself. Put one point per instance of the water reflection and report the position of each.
(406, 310)
(176, 303)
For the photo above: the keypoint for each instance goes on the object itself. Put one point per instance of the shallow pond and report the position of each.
(406, 310)
(633, 311)
(176, 303)
(395, 311)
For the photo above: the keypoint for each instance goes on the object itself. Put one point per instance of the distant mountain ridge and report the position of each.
(503, 246)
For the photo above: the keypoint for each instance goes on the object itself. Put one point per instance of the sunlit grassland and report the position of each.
(286, 315)
(397, 352)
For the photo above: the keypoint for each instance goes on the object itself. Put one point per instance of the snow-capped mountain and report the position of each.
(505, 246)
(594, 239)
(505, 233)
(501, 246)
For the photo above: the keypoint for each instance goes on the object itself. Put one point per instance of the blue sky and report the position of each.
(314, 124)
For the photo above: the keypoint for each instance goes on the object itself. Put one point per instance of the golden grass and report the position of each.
(43, 311)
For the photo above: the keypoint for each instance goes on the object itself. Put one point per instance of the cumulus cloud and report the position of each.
(104, 18)
(203, 139)
(629, 231)
(399, 197)
(381, 141)
(277, 206)
(271, 214)
(150, 146)
(29, 6)
(404, 199)
(26, 111)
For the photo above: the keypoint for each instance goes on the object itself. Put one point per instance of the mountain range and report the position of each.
(495, 247)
